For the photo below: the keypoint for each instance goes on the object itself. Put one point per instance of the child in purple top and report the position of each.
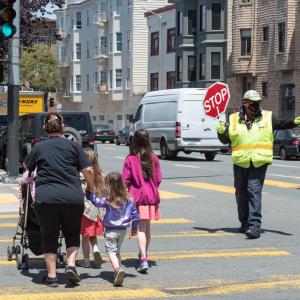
(120, 211)
(142, 174)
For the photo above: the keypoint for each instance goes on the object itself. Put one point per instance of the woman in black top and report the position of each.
(59, 197)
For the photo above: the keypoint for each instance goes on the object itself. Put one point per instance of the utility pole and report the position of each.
(13, 97)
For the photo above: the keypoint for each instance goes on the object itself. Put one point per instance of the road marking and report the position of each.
(8, 198)
(170, 195)
(9, 216)
(8, 225)
(186, 166)
(173, 221)
(108, 148)
(208, 186)
(286, 166)
(188, 254)
(120, 157)
(282, 184)
(284, 176)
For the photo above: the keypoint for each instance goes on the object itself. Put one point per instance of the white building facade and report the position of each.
(104, 57)
(161, 51)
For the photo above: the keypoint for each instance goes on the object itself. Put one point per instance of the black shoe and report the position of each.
(252, 234)
(72, 275)
(52, 282)
(243, 229)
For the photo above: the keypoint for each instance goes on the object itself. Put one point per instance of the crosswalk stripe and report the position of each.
(8, 198)
(278, 283)
(9, 216)
(171, 195)
(189, 254)
(208, 186)
(282, 184)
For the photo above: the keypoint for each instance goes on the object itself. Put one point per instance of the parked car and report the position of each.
(286, 143)
(176, 121)
(103, 133)
(78, 127)
(123, 136)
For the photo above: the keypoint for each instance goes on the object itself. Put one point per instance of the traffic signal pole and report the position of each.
(13, 98)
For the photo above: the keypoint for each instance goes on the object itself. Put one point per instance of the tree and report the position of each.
(29, 8)
(39, 67)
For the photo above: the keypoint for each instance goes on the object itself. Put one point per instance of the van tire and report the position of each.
(72, 134)
(163, 149)
(210, 156)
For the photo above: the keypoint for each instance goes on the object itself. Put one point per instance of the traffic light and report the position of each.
(51, 102)
(7, 15)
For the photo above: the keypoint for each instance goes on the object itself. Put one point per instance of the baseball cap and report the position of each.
(252, 95)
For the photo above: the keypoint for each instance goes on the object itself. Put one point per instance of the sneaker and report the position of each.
(119, 278)
(98, 258)
(252, 234)
(84, 263)
(143, 267)
(52, 282)
(72, 275)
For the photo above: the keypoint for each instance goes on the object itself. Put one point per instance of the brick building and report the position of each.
(263, 53)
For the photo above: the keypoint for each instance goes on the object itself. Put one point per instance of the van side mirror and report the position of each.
(130, 119)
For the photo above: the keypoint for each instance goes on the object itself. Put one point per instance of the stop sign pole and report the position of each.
(216, 99)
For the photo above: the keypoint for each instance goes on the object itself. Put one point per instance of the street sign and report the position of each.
(216, 99)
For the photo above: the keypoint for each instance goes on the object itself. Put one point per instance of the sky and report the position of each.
(50, 10)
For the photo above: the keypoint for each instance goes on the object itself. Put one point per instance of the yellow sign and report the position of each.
(30, 104)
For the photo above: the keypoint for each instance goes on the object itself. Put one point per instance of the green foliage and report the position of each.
(39, 66)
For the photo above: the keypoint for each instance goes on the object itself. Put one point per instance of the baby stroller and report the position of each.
(28, 235)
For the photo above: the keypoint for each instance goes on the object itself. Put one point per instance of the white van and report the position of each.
(176, 121)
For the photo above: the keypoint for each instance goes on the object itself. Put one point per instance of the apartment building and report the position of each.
(162, 35)
(263, 53)
(201, 57)
(104, 57)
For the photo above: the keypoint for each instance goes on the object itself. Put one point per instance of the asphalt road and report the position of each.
(196, 250)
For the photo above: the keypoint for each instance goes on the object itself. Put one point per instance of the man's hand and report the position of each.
(221, 127)
(297, 121)
(133, 233)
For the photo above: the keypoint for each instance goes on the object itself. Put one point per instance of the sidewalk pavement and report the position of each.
(8, 195)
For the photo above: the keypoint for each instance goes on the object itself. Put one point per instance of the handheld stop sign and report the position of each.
(216, 99)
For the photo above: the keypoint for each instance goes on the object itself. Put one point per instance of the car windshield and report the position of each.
(295, 132)
(126, 130)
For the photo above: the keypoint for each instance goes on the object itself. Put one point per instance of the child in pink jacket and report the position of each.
(142, 174)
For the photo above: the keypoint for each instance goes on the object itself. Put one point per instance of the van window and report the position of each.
(138, 114)
(160, 111)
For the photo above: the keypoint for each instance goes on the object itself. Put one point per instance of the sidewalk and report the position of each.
(8, 196)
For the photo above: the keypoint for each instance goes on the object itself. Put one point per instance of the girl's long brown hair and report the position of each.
(99, 177)
(116, 190)
(141, 146)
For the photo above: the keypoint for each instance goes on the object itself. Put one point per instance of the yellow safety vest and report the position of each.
(255, 144)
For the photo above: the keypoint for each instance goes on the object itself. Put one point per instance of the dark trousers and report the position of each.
(56, 217)
(248, 183)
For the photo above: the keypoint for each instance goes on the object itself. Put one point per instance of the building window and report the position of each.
(202, 57)
(128, 78)
(170, 80)
(119, 41)
(245, 1)
(153, 81)
(78, 20)
(87, 19)
(245, 42)
(118, 78)
(119, 117)
(265, 33)
(154, 43)
(192, 68)
(78, 51)
(95, 81)
(215, 65)
(119, 7)
(103, 45)
(179, 68)
(87, 50)
(101, 117)
(111, 43)
(265, 89)
(78, 83)
(111, 122)
(216, 16)
(202, 18)
(94, 118)
(128, 39)
(87, 82)
(103, 77)
(171, 40)
(192, 22)
(281, 37)
(111, 79)
(179, 23)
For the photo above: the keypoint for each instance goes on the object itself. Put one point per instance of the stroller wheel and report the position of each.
(25, 262)
(18, 249)
(9, 253)
(19, 261)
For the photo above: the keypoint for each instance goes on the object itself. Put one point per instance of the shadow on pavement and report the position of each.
(236, 230)
(109, 276)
